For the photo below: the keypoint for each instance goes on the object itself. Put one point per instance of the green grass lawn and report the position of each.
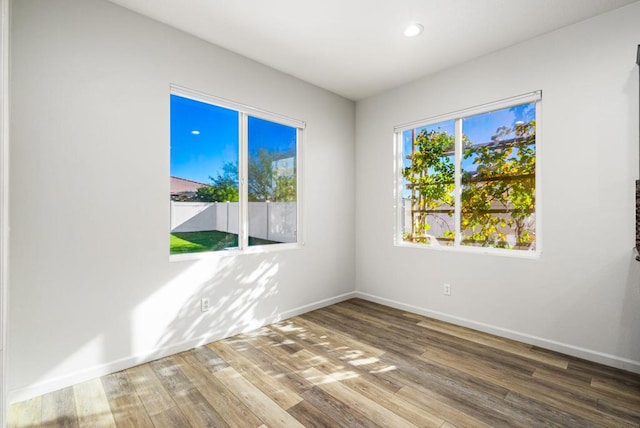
(208, 240)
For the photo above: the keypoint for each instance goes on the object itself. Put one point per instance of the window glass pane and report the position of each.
(428, 184)
(204, 177)
(498, 178)
(272, 182)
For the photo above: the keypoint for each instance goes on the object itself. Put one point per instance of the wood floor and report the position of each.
(354, 364)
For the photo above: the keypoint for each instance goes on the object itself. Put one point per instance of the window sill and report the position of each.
(234, 252)
(519, 254)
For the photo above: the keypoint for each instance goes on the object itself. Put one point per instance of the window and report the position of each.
(272, 189)
(468, 179)
(234, 175)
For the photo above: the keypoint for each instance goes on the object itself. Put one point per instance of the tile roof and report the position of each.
(182, 185)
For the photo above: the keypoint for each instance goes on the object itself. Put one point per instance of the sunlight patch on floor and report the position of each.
(364, 361)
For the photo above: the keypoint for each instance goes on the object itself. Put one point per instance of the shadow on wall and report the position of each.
(157, 316)
(239, 295)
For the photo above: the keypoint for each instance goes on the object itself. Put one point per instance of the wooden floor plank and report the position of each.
(326, 338)
(578, 367)
(27, 413)
(358, 330)
(209, 359)
(232, 410)
(591, 389)
(393, 402)
(376, 372)
(381, 334)
(171, 417)
(318, 339)
(198, 411)
(126, 407)
(310, 416)
(436, 404)
(92, 405)
(270, 364)
(482, 403)
(553, 414)
(337, 410)
(616, 388)
(620, 410)
(59, 409)
(168, 372)
(265, 408)
(442, 378)
(354, 400)
(353, 364)
(195, 407)
(149, 389)
(580, 405)
(501, 344)
(275, 390)
(478, 349)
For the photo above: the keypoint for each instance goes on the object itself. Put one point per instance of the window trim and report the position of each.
(244, 112)
(457, 116)
(472, 111)
(181, 91)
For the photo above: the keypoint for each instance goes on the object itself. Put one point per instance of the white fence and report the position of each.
(441, 222)
(274, 221)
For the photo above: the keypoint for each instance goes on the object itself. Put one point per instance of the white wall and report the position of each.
(92, 287)
(583, 295)
(4, 199)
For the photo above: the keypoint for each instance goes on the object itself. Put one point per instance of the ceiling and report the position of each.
(356, 48)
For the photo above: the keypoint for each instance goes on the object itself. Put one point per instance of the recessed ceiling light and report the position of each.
(413, 30)
(195, 132)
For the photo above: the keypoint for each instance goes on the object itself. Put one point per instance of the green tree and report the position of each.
(223, 188)
(430, 178)
(498, 196)
(285, 189)
(265, 182)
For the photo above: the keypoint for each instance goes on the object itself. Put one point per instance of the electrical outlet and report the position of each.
(204, 304)
(446, 289)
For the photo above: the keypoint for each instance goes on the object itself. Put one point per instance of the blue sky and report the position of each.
(479, 128)
(272, 136)
(204, 137)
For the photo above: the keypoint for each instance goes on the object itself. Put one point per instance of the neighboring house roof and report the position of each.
(182, 185)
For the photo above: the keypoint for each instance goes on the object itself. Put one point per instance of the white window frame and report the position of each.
(244, 112)
(457, 116)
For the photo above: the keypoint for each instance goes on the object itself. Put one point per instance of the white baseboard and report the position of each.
(54, 384)
(575, 351)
